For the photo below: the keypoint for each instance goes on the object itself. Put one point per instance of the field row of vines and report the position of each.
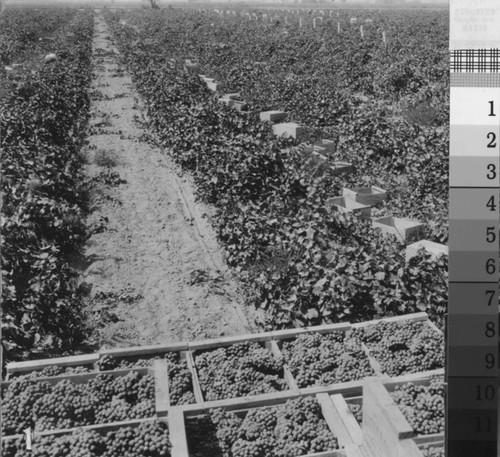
(386, 108)
(44, 110)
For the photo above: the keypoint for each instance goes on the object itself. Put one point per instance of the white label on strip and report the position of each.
(474, 24)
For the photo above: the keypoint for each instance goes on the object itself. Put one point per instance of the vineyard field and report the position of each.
(224, 231)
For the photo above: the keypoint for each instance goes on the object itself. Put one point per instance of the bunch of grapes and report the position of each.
(357, 411)
(179, 375)
(239, 370)
(432, 451)
(423, 406)
(317, 359)
(52, 370)
(403, 347)
(30, 403)
(294, 429)
(18, 402)
(149, 439)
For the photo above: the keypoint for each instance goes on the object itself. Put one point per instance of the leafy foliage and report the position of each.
(44, 197)
(302, 263)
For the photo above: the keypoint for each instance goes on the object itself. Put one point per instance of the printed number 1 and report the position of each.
(492, 110)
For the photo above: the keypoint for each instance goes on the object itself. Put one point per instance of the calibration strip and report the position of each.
(474, 179)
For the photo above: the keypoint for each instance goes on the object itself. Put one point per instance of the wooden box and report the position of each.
(339, 168)
(406, 230)
(366, 195)
(435, 249)
(288, 129)
(272, 116)
(346, 205)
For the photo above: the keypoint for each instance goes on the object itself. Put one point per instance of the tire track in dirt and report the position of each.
(155, 271)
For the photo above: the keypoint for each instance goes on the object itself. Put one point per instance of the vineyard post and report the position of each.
(384, 37)
(314, 23)
(300, 22)
(362, 31)
(338, 28)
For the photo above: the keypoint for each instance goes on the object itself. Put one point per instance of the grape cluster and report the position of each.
(403, 347)
(432, 451)
(179, 376)
(294, 429)
(357, 411)
(239, 370)
(317, 359)
(423, 406)
(51, 370)
(104, 398)
(149, 439)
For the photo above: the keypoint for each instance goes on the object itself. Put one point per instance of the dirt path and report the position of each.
(155, 271)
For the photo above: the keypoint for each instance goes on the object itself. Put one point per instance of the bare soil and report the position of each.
(154, 270)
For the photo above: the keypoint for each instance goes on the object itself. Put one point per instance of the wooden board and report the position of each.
(100, 428)
(198, 394)
(35, 365)
(162, 394)
(177, 431)
(384, 426)
(144, 350)
(350, 423)
(82, 378)
(334, 421)
(229, 340)
(414, 317)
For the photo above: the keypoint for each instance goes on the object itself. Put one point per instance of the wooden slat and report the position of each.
(434, 327)
(414, 317)
(252, 401)
(82, 378)
(100, 428)
(346, 388)
(422, 377)
(162, 395)
(433, 439)
(377, 369)
(229, 340)
(144, 350)
(348, 419)
(355, 451)
(408, 448)
(198, 394)
(335, 424)
(177, 432)
(34, 365)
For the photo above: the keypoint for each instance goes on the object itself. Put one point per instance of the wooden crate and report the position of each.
(406, 230)
(325, 146)
(346, 205)
(213, 86)
(240, 105)
(265, 341)
(340, 168)
(434, 249)
(283, 336)
(365, 195)
(415, 317)
(289, 129)
(329, 412)
(272, 116)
